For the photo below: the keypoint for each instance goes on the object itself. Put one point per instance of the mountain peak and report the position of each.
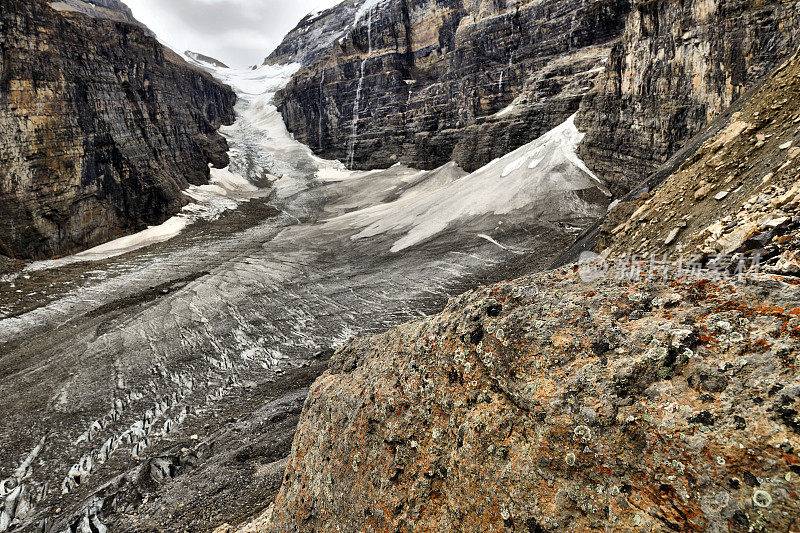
(201, 58)
(107, 9)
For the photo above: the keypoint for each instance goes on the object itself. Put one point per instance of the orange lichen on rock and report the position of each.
(559, 411)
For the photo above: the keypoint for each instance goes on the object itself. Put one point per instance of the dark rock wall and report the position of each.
(437, 72)
(645, 76)
(678, 65)
(101, 128)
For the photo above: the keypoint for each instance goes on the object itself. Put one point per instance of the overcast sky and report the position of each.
(239, 33)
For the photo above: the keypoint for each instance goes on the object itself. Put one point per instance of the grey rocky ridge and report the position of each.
(201, 58)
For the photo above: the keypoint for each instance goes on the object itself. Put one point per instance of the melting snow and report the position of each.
(226, 189)
(491, 240)
(505, 111)
(543, 186)
(538, 176)
(366, 7)
(265, 80)
(516, 165)
(225, 192)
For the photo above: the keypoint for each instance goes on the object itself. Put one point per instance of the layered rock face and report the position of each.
(676, 67)
(424, 82)
(738, 195)
(550, 404)
(427, 82)
(102, 128)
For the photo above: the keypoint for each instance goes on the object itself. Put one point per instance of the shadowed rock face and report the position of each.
(433, 79)
(422, 81)
(102, 128)
(546, 404)
(677, 66)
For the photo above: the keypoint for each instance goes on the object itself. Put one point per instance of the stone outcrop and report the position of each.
(677, 66)
(102, 128)
(424, 82)
(204, 59)
(108, 9)
(550, 404)
(738, 195)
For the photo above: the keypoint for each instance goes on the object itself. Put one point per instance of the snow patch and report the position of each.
(366, 7)
(535, 162)
(491, 240)
(516, 165)
(538, 177)
(266, 79)
(505, 111)
(226, 189)
(225, 192)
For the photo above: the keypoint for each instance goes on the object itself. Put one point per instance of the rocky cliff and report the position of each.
(427, 81)
(424, 82)
(550, 404)
(102, 128)
(627, 393)
(677, 66)
(738, 195)
(108, 9)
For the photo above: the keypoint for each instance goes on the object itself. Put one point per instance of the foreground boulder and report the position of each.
(545, 404)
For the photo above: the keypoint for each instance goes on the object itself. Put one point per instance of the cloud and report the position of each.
(237, 32)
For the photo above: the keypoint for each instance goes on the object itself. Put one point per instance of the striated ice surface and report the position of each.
(541, 178)
(111, 355)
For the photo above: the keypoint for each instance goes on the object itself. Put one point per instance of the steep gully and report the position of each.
(186, 360)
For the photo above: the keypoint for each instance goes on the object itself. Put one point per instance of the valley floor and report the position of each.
(162, 386)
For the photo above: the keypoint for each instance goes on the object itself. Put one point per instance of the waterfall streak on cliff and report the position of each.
(351, 146)
(321, 107)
